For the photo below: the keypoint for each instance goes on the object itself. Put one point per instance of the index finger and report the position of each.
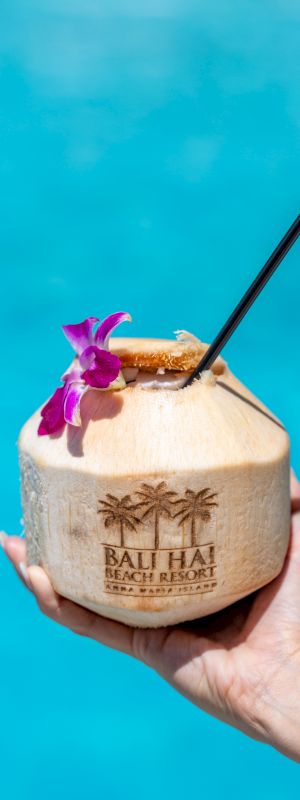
(79, 619)
(15, 550)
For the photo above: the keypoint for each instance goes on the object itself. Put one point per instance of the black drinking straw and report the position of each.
(247, 300)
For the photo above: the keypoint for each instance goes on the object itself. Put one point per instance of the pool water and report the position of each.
(149, 161)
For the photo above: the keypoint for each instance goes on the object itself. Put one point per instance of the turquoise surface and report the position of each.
(148, 162)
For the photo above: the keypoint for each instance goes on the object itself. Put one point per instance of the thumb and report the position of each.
(292, 564)
(285, 590)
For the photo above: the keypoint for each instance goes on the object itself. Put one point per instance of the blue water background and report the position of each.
(149, 161)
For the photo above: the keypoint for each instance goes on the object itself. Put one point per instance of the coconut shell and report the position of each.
(164, 506)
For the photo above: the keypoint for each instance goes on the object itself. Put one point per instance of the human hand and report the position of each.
(242, 665)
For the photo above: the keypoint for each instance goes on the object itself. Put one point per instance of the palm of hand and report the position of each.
(232, 664)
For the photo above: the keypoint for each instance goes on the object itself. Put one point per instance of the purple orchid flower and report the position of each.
(96, 368)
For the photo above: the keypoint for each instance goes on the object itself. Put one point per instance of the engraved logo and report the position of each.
(159, 571)
(195, 505)
(121, 513)
(158, 503)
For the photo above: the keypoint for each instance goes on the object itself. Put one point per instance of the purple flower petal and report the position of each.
(80, 336)
(74, 375)
(53, 413)
(101, 367)
(72, 402)
(96, 368)
(87, 358)
(106, 327)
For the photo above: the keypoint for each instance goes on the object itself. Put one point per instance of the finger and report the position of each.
(15, 550)
(295, 492)
(80, 620)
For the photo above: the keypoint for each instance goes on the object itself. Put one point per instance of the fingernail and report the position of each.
(24, 572)
(3, 537)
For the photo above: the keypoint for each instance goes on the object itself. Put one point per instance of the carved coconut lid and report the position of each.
(183, 353)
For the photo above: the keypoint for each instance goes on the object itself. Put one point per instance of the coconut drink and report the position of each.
(147, 502)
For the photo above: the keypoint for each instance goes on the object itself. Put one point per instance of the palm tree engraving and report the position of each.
(158, 503)
(195, 505)
(119, 511)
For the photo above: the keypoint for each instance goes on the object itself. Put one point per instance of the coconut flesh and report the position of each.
(168, 380)
(167, 504)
